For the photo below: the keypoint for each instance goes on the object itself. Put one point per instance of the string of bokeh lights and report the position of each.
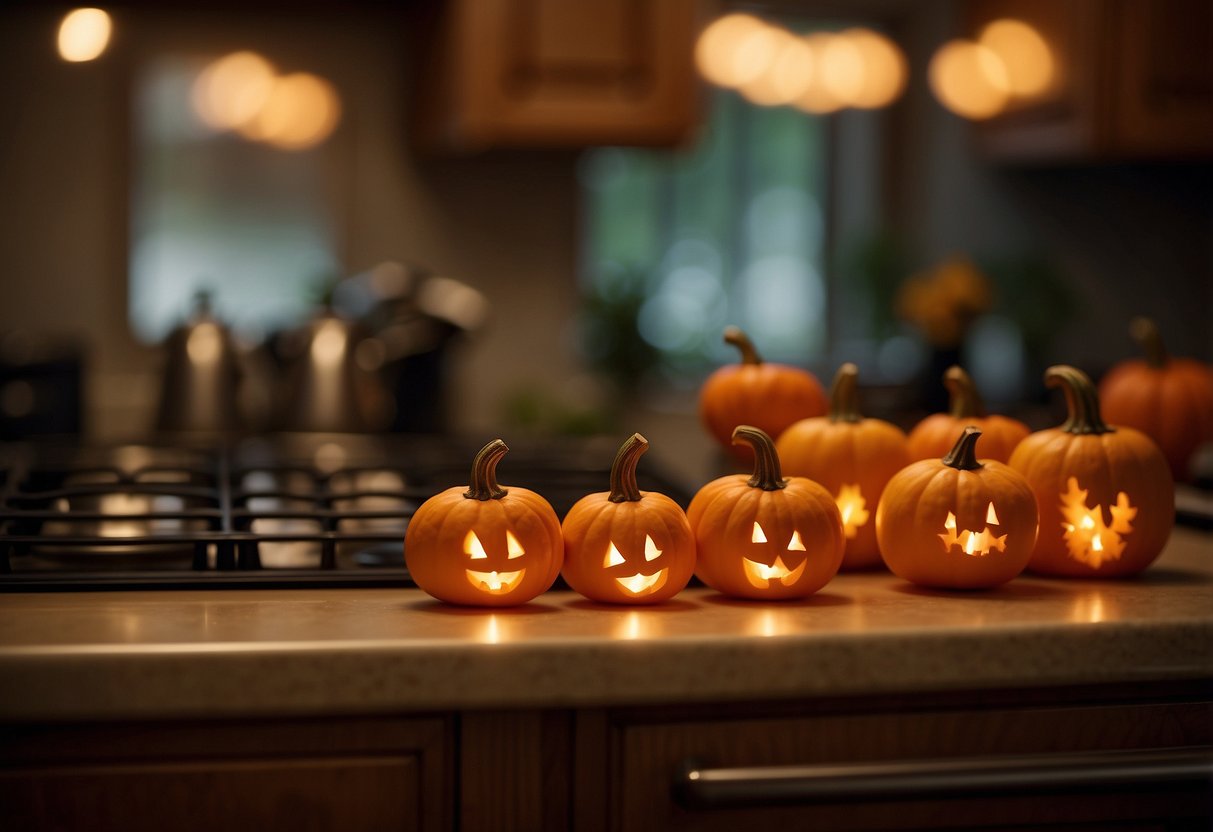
(824, 72)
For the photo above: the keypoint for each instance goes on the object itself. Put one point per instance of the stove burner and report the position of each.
(291, 510)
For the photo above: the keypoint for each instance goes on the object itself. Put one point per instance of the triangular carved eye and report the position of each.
(512, 546)
(796, 544)
(651, 552)
(472, 546)
(613, 558)
(758, 535)
(991, 517)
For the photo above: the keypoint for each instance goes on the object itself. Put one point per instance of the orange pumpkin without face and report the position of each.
(768, 396)
(485, 545)
(1168, 399)
(1107, 500)
(957, 523)
(852, 457)
(627, 546)
(765, 537)
(935, 435)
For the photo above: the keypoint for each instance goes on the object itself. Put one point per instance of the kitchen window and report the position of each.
(678, 244)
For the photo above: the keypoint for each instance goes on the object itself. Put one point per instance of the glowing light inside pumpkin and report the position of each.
(1088, 537)
(496, 583)
(643, 584)
(651, 552)
(758, 535)
(973, 543)
(760, 575)
(472, 546)
(613, 558)
(853, 508)
(512, 547)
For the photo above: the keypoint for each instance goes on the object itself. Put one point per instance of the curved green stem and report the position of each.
(844, 395)
(964, 402)
(1145, 332)
(483, 485)
(623, 470)
(767, 474)
(733, 335)
(963, 456)
(1082, 400)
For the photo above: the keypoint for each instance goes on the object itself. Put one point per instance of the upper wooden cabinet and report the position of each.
(1134, 81)
(554, 73)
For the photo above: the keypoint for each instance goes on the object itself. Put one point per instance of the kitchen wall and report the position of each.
(1127, 239)
(505, 223)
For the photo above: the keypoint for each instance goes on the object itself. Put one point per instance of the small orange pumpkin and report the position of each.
(485, 545)
(627, 546)
(957, 523)
(1168, 399)
(765, 537)
(852, 457)
(1106, 497)
(766, 395)
(936, 434)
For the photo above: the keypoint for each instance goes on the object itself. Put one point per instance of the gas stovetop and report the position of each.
(267, 512)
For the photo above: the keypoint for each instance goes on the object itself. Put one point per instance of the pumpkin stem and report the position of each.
(963, 456)
(844, 395)
(1082, 400)
(964, 402)
(733, 335)
(623, 470)
(767, 474)
(1145, 332)
(484, 485)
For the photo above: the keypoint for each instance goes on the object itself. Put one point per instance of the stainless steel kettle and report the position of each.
(201, 376)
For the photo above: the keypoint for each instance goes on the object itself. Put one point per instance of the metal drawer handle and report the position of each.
(696, 787)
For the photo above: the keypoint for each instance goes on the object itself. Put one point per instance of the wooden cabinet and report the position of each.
(1126, 758)
(335, 774)
(550, 73)
(1133, 81)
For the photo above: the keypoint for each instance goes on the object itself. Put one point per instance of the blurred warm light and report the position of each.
(735, 50)
(1024, 53)
(302, 110)
(884, 69)
(328, 344)
(817, 98)
(786, 77)
(842, 70)
(230, 92)
(969, 79)
(84, 34)
(205, 343)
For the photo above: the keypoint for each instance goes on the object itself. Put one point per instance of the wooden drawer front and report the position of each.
(343, 775)
(647, 759)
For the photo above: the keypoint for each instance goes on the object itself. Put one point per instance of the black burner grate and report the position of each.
(264, 513)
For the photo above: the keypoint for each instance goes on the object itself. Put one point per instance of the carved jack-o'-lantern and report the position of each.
(627, 546)
(1107, 500)
(853, 457)
(484, 545)
(766, 537)
(957, 523)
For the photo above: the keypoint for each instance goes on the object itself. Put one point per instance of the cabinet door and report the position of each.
(1162, 78)
(917, 770)
(553, 73)
(338, 775)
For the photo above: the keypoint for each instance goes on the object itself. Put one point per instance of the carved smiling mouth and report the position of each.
(760, 575)
(643, 584)
(497, 583)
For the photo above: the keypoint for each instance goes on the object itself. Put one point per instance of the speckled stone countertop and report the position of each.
(247, 653)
